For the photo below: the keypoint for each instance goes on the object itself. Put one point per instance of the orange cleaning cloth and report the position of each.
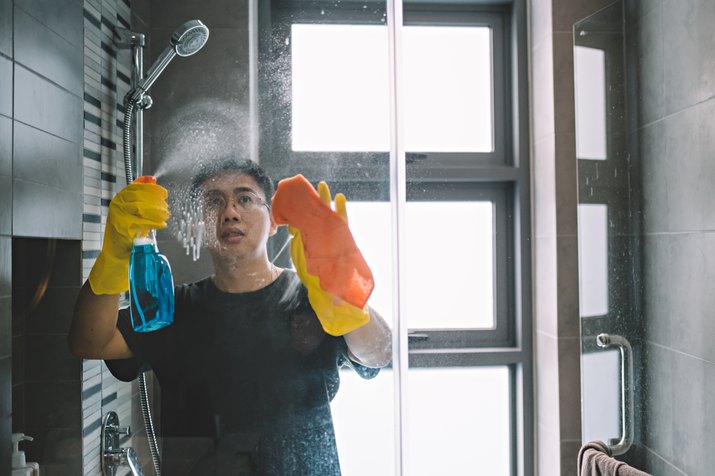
(330, 250)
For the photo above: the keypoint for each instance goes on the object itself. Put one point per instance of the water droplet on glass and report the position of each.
(191, 228)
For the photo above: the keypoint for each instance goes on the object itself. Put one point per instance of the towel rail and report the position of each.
(622, 444)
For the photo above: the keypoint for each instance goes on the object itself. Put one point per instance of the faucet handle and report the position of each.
(118, 430)
(129, 457)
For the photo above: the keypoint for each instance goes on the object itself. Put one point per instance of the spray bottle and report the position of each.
(151, 285)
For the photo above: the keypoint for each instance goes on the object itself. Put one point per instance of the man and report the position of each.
(246, 370)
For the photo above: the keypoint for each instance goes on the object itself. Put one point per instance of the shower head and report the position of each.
(189, 38)
(186, 40)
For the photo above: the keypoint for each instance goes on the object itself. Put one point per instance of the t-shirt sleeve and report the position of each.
(147, 348)
(346, 361)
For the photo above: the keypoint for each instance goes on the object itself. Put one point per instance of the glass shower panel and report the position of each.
(323, 83)
(608, 234)
(458, 242)
(463, 269)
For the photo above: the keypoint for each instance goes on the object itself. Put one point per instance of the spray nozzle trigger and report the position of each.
(145, 179)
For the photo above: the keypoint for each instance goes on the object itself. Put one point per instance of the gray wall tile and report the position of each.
(18, 405)
(6, 29)
(569, 457)
(217, 14)
(67, 222)
(45, 106)
(64, 221)
(67, 265)
(569, 13)
(658, 427)
(689, 402)
(53, 314)
(679, 302)
(690, 65)
(5, 147)
(5, 326)
(5, 414)
(32, 257)
(25, 197)
(5, 266)
(64, 17)
(649, 35)
(47, 358)
(45, 52)
(46, 159)
(57, 449)
(142, 10)
(5, 205)
(678, 171)
(5, 86)
(54, 404)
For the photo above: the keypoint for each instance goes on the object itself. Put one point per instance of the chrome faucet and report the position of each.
(112, 455)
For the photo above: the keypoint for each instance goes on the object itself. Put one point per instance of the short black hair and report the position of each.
(230, 164)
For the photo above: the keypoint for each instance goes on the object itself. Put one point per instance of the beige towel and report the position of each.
(594, 459)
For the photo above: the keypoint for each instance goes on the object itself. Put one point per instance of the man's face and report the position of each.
(238, 222)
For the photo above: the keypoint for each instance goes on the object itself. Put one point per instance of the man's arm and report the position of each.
(93, 333)
(136, 210)
(371, 344)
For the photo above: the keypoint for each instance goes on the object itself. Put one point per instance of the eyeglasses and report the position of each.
(246, 201)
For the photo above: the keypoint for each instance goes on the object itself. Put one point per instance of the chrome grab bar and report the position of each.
(620, 446)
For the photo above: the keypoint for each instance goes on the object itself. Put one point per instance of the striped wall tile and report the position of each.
(106, 73)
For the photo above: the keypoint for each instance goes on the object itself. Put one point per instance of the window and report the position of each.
(325, 114)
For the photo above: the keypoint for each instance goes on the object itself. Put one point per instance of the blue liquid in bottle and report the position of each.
(151, 287)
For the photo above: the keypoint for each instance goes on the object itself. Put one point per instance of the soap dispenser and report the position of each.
(20, 467)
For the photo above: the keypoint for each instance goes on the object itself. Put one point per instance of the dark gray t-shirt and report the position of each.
(246, 381)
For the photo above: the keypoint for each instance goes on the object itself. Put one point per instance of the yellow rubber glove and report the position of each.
(337, 316)
(133, 212)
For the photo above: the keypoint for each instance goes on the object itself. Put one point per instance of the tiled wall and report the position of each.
(556, 317)
(106, 80)
(675, 82)
(40, 193)
(61, 85)
(5, 232)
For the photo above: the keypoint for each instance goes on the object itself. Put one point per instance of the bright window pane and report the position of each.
(340, 88)
(364, 418)
(590, 70)
(449, 262)
(447, 89)
(341, 98)
(593, 259)
(458, 421)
